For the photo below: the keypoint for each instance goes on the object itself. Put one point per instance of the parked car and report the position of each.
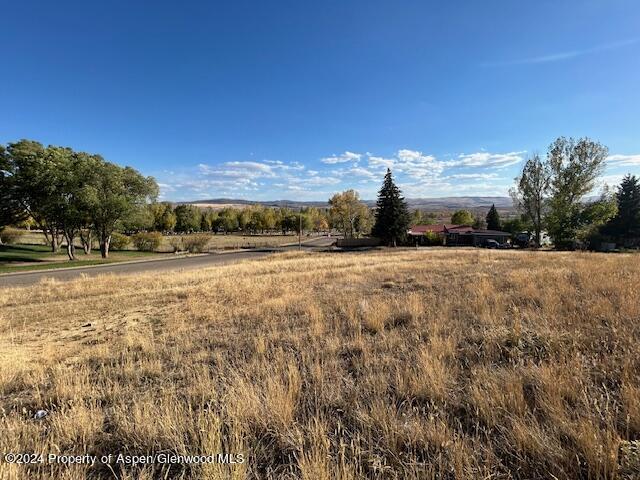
(490, 243)
(505, 245)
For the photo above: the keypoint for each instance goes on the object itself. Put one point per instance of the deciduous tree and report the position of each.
(574, 166)
(462, 217)
(345, 210)
(113, 194)
(529, 193)
(188, 218)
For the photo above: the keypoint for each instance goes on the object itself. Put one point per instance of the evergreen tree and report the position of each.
(626, 223)
(392, 215)
(493, 219)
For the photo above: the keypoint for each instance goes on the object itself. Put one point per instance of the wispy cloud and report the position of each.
(343, 158)
(487, 159)
(474, 176)
(567, 55)
(624, 160)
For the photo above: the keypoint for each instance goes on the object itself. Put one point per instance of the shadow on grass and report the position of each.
(22, 253)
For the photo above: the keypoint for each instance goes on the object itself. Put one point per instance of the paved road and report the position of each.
(181, 263)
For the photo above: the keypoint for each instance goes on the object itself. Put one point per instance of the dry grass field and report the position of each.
(460, 364)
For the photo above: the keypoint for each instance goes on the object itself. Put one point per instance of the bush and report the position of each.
(147, 241)
(119, 241)
(432, 239)
(11, 235)
(196, 243)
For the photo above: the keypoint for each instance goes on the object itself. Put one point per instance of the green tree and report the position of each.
(392, 216)
(479, 222)
(301, 222)
(625, 225)
(188, 218)
(206, 220)
(530, 191)
(493, 218)
(516, 225)
(164, 220)
(113, 194)
(227, 220)
(140, 220)
(345, 211)
(32, 170)
(268, 219)
(595, 215)
(244, 218)
(71, 174)
(49, 184)
(574, 166)
(416, 217)
(11, 211)
(462, 217)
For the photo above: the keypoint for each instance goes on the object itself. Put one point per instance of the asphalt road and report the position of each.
(180, 263)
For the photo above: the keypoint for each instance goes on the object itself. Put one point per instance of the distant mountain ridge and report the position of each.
(438, 203)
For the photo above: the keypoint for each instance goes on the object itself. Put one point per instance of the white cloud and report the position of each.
(487, 159)
(418, 165)
(611, 180)
(362, 172)
(473, 176)
(343, 158)
(624, 160)
(417, 173)
(381, 162)
(317, 180)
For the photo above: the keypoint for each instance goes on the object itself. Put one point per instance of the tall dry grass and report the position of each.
(405, 364)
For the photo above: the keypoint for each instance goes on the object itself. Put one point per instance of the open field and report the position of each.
(390, 364)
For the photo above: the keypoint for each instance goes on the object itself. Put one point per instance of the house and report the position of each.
(456, 235)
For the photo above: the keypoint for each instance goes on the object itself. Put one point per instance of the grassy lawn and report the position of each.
(217, 242)
(18, 258)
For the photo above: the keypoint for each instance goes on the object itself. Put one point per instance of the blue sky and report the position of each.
(298, 99)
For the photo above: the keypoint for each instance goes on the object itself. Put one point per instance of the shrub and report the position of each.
(119, 241)
(11, 235)
(147, 241)
(432, 238)
(196, 243)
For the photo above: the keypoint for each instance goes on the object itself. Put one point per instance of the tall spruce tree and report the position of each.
(626, 224)
(493, 218)
(392, 215)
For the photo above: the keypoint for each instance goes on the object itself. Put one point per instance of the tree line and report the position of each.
(80, 197)
(77, 198)
(167, 217)
(68, 194)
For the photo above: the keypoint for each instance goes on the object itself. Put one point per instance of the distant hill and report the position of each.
(442, 203)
